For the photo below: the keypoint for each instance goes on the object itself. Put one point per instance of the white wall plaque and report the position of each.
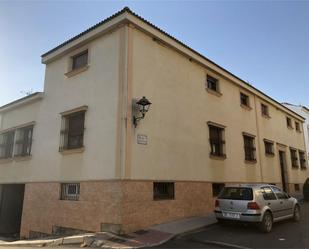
(142, 139)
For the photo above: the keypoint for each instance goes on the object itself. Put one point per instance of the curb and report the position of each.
(66, 241)
(138, 247)
(76, 240)
(218, 243)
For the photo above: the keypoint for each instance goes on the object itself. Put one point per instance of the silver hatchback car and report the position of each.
(259, 203)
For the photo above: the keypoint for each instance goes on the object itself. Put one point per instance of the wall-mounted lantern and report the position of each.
(142, 106)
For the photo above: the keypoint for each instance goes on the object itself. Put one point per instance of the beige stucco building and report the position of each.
(303, 111)
(82, 164)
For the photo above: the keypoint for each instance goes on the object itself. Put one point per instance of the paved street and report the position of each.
(286, 234)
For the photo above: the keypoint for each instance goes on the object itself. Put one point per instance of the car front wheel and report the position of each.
(267, 223)
(296, 216)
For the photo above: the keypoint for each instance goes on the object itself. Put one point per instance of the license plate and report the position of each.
(231, 215)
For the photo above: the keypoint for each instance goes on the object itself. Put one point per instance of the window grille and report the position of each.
(249, 148)
(72, 133)
(70, 191)
(7, 144)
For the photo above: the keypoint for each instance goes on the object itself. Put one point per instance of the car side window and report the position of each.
(280, 194)
(268, 194)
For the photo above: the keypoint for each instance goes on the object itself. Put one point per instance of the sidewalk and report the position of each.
(153, 236)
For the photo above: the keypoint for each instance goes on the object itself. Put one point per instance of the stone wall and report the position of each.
(99, 202)
(111, 203)
(141, 211)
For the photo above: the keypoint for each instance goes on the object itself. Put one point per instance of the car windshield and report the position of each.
(236, 193)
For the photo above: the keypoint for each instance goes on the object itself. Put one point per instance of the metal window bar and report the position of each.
(7, 145)
(80, 60)
(70, 191)
(217, 147)
(244, 99)
(269, 148)
(264, 109)
(216, 140)
(303, 163)
(249, 148)
(212, 83)
(72, 133)
(302, 160)
(24, 143)
(294, 158)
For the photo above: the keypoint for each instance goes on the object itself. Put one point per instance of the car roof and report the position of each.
(254, 186)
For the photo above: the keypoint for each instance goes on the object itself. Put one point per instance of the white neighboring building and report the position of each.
(303, 111)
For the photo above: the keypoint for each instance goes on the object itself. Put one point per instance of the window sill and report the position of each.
(295, 167)
(303, 168)
(270, 155)
(248, 108)
(171, 199)
(290, 128)
(22, 158)
(69, 199)
(6, 160)
(213, 92)
(298, 131)
(250, 161)
(223, 157)
(72, 151)
(76, 71)
(266, 116)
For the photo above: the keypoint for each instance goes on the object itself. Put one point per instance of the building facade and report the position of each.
(303, 111)
(78, 162)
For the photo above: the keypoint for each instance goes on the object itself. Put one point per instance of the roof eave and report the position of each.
(22, 101)
(126, 15)
(85, 37)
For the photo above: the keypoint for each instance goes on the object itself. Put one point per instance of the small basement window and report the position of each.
(163, 190)
(216, 188)
(80, 60)
(70, 191)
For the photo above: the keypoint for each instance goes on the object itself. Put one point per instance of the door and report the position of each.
(285, 207)
(283, 169)
(11, 206)
(271, 201)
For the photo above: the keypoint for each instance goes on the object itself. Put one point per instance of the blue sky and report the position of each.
(263, 42)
